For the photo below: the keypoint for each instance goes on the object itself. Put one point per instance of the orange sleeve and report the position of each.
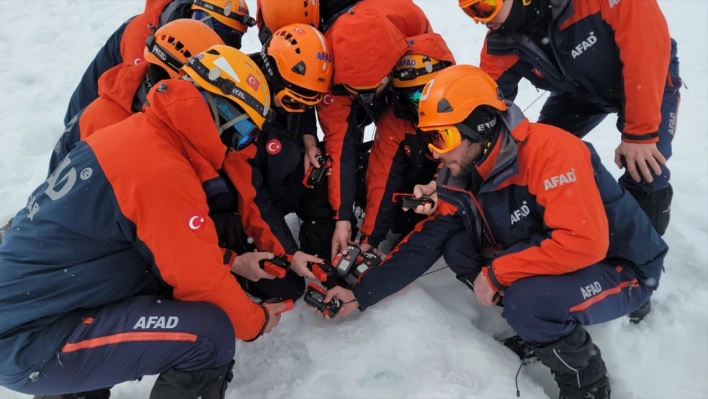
(642, 36)
(561, 176)
(182, 240)
(338, 124)
(261, 220)
(383, 178)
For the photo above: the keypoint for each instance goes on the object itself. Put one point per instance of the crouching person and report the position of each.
(117, 262)
(525, 214)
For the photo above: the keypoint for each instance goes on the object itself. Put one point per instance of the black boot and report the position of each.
(577, 366)
(523, 349)
(639, 314)
(205, 384)
(657, 205)
(103, 393)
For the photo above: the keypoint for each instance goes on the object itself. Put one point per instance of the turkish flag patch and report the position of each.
(273, 146)
(195, 221)
(253, 82)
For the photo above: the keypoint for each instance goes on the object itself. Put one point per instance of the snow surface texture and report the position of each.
(432, 340)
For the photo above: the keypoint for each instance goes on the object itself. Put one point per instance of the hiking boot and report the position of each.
(523, 349)
(639, 314)
(598, 390)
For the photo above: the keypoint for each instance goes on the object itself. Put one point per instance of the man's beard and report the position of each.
(467, 163)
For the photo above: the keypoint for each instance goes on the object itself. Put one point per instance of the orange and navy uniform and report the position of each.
(399, 160)
(125, 45)
(617, 55)
(117, 220)
(399, 157)
(539, 203)
(341, 116)
(262, 174)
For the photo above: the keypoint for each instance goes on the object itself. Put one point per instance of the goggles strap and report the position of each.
(234, 121)
(214, 111)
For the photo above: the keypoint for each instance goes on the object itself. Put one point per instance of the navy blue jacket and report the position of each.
(539, 203)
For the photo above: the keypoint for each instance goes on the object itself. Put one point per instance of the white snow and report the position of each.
(432, 340)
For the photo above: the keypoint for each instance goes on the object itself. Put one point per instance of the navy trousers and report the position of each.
(543, 309)
(138, 336)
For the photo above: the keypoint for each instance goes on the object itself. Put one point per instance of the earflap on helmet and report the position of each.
(482, 124)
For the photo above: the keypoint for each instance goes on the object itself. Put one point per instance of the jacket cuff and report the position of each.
(646, 138)
(492, 279)
(359, 295)
(229, 256)
(265, 324)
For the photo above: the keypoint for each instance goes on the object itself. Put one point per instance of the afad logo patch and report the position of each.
(273, 146)
(406, 63)
(324, 56)
(253, 82)
(195, 221)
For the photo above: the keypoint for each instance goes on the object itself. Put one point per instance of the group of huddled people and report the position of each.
(143, 252)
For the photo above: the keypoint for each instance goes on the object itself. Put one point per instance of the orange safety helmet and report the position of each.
(298, 61)
(176, 42)
(416, 70)
(227, 72)
(232, 13)
(280, 13)
(454, 93)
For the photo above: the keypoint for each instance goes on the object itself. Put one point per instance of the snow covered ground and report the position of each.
(432, 340)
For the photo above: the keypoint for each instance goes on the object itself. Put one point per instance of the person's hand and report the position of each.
(299, 264)
(341, 238)
(486, 295)
(430, 190)
(346, 298)
(311, 151)
(365, 247)
(640, 158)
(247, 265)
(274, 312)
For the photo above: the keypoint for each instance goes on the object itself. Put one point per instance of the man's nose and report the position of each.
(436, 154)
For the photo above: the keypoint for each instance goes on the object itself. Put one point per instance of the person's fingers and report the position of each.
(305, 272)
(645, 170)
(260, 273)
(332, 293)
(263, 255)
(354, 242)
(655, 166)
(618, 159)
(312, 258)
(417, 191)
(632, 169)
(659, 156)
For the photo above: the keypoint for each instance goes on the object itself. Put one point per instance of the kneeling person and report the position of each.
(118, 260)
(527, 213)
